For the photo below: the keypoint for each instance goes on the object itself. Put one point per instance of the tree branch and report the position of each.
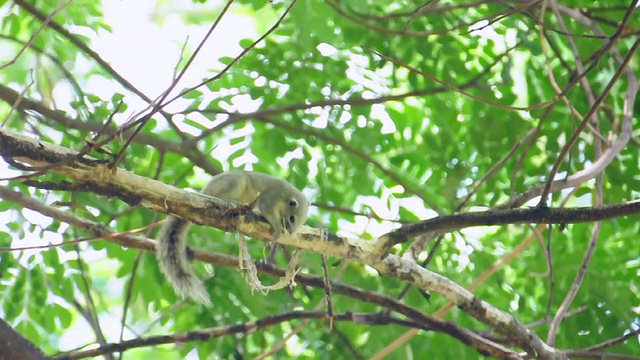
(201, 209)
(134, 242)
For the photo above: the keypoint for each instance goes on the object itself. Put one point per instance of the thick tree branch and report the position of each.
(201, 209)
(15, 346)
(135, 242)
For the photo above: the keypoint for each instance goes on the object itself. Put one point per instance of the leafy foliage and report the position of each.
(384, 112)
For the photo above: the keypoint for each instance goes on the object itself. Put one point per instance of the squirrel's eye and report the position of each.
(292, 219)
(293, 203)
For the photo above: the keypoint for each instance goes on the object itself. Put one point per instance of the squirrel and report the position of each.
(284, 207)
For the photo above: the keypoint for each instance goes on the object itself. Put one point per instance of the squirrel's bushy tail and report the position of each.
(172, 255)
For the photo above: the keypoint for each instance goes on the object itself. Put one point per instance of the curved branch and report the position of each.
(574, 137)
(620, 143)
